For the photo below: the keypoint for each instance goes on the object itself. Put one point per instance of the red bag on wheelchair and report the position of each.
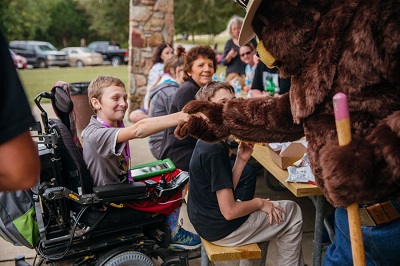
(161, 205)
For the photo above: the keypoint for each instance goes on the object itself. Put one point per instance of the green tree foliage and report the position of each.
(69, 23)
(65, 22)
(109, 19)
(25, 19)
(203, 16)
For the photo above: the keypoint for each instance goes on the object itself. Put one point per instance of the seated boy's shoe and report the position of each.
(185, 240)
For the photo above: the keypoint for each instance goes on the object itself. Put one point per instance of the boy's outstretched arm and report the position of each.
(151, 125)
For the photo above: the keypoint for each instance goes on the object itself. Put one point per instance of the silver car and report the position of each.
(83, 56)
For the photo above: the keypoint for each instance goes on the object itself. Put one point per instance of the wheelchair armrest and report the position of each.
(136, 190)
(174, 185)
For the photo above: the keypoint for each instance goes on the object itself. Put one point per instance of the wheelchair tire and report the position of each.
(130, 258)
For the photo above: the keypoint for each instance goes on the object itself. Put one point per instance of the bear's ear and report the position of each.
(294, 2)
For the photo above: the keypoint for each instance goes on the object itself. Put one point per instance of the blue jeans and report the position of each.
(247, 183)
(381, 243)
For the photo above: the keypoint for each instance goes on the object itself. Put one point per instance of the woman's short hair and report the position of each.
(204, 51)
(250, 45)
(234, 20)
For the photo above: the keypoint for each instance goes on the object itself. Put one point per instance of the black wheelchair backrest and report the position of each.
(75, 173)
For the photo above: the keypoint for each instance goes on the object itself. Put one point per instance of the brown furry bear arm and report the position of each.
(265, 119)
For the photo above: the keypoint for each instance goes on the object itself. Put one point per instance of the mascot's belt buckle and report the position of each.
(365, 217)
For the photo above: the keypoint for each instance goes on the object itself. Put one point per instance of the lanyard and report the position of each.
(126, 152)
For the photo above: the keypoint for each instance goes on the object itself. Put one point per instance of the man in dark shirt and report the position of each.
(19, 160)
(261, 75)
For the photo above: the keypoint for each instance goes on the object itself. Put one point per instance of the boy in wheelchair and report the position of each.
(106, 147)
(74, 201)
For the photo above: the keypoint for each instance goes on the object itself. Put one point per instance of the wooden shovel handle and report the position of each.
(342, 118)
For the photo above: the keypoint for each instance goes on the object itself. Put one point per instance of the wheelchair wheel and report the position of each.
(129, 258)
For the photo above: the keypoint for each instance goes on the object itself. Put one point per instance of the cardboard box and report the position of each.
(291, 154)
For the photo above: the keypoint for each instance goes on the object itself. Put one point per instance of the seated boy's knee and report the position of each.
(292, 209)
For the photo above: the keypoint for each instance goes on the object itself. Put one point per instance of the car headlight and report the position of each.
(51, 57)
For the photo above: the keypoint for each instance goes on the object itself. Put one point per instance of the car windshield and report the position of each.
(46, 47)
(87, 50)
(113, 47)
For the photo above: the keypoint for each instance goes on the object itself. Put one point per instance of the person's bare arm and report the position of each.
(232, 209)
(19, 163)
(148, 126)
(243, 155)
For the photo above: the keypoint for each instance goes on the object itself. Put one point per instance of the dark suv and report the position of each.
(111, 52)
(40, 54)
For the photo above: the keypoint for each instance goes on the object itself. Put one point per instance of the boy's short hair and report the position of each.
(95, 89)
(206, 92)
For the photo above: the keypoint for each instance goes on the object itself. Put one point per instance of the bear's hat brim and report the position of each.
(247, 33)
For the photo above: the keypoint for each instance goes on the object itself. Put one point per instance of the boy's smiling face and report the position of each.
(112, 105)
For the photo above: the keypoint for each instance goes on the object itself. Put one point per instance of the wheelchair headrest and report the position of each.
(61, 100)
(64, 108)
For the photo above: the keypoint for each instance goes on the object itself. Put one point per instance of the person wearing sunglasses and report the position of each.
(247, 53)
(231, 55)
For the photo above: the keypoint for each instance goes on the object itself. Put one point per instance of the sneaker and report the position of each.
(185, 240)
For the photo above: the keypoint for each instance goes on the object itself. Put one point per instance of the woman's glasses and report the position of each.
(246, 53)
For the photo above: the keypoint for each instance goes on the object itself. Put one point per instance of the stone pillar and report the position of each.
(151, 22)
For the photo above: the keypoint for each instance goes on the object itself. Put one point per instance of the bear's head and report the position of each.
(286, 28)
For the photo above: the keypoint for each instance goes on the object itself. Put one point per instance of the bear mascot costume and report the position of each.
(326, 47)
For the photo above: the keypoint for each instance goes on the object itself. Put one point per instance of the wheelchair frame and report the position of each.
(61, 200)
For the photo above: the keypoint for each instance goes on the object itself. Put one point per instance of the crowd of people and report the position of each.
(176, 78)
(222, 182)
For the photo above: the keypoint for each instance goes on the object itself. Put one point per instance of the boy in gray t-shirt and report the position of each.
(106, 143)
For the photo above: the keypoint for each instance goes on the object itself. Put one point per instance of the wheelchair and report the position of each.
(82, 225)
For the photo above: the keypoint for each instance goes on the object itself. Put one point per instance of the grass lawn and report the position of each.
(39, 80)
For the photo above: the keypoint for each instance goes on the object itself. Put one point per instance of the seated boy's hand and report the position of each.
(245, 150)
(273, 210)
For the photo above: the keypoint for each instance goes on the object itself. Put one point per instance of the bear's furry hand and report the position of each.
(345, 170)
(211, 129)
(366, 168)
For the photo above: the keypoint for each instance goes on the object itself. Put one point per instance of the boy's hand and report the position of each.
(274, 211)
(245, 150)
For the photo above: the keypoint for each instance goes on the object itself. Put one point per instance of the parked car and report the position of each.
(20, 62)
(111, 52)
(83, 56)
(40, 54)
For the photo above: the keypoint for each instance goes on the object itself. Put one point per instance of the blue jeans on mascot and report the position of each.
(381, 243)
